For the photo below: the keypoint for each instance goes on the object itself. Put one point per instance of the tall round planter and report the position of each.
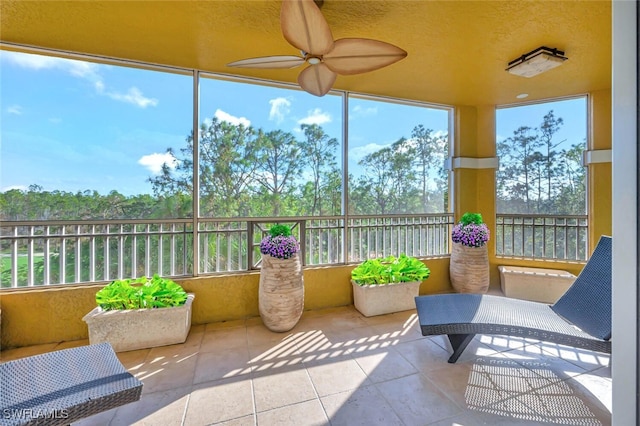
(281, 293)
(469, 268)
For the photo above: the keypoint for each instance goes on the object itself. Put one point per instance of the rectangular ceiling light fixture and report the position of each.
(536, 62)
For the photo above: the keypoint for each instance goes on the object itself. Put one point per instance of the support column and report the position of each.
(599, 166)
(474, 169)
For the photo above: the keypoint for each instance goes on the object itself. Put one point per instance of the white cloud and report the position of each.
(81, 69)
(55, 120)
(236, 121)
(280, 107)
(358, 111)
(133, 96)
(86, 70)
(315, 116)
(15, 109)
(358, 153)
(154, 162)
(18, 187)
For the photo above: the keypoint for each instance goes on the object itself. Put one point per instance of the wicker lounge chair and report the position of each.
(580, 318)
(60, 387)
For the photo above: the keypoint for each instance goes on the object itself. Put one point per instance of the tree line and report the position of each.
(247, 172)
(538, 173)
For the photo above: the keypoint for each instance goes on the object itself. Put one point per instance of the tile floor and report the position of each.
(337, 367)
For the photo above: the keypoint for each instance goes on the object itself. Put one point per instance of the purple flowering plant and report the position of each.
(279, 243)
(471, 231)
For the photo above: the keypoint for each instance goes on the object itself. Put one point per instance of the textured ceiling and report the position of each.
(457, 50)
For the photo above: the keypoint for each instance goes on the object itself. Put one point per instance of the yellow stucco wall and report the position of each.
(37, 316)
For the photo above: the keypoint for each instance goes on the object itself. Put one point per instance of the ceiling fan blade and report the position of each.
(358, 55)
(304, 27)
(317, 79)
(285, 61)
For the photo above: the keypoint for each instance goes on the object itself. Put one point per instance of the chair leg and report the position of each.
(459, 343)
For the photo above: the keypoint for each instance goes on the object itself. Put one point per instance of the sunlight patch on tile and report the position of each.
(506, 388)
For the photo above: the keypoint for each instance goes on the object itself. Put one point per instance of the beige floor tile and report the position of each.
(553, 368)
(194, 338)
(357, 370)
(452, 380)
(242, 421)
(393, 318)
(11, 354)
(383, 365)
(308, 413)
(267, 357)
(344, 342)
(223, 339)
(164, 408)
(315, 343)
(163, 355)
(491, 381)
(218, 401)
(133, 360)
(342, 321)
(219, 365)
(595, 391)
(103, 418)
(259, 334)
(286, 386)
(416, 400)
(225, 324)
(558, 403)
(475, 418)
(334, 375)
(170, 372)
(362, 406)
(424, 354)
(71, 344)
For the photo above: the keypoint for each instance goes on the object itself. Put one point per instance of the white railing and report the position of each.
(558, 237)
(63, 252)
(37, 253)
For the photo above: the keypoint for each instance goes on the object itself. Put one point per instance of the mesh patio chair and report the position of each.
(60, 387)
(581, 318)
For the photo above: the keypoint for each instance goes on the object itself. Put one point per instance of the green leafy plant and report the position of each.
(277, 229)
(390, 270)
(469, 218)
(140, 293)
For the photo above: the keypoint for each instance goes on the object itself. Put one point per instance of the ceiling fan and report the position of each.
(305, 28)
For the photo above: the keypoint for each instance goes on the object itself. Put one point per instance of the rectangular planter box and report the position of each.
(383, 299)
(128, 330)
(536, 284)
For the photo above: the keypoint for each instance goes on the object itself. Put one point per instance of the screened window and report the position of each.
(540, 149)
(396, 157)
(83, 140)
(268, 151)
(541, 183)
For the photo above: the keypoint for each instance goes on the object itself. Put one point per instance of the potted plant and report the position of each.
(469, 263)
(390, 284)
(281, 291)
(140, 313)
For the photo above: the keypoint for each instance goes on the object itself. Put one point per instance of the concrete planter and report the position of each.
(536, 284)
(382, 299)
(128, 330)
